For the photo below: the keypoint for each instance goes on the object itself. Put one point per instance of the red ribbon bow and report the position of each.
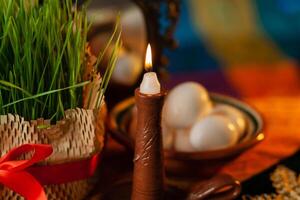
(14, 174)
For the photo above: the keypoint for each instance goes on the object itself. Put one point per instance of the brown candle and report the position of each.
(148, 177)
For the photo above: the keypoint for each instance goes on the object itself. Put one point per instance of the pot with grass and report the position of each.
(52, 107)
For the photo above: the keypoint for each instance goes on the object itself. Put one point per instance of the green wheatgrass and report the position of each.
(42, 50)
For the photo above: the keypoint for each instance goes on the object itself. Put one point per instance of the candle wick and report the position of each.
(149, 69)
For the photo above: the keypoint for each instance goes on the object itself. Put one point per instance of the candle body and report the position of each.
(150, 84)
(148, 177)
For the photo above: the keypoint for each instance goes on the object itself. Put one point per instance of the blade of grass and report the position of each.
(109, 70)
(116, 29)
(46, 93)
(11, 85)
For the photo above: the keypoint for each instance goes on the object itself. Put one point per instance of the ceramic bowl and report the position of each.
(203, 163)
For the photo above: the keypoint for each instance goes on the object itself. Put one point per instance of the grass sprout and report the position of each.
(42, 57)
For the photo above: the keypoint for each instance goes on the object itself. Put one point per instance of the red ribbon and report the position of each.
(27, 180)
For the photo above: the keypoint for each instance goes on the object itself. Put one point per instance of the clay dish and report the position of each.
(202, 163)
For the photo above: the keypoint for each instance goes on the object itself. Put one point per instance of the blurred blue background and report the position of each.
(220, 33)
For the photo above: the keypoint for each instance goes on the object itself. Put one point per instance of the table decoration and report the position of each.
(52, 108)
(187, 163)
(148, 180)
(280, 180)
(191, 122)
(148, 177)
(285, 182)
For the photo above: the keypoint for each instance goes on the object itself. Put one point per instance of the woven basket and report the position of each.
(80, 135)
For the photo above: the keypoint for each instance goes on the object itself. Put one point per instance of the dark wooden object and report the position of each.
(148, 175)
(160, 39)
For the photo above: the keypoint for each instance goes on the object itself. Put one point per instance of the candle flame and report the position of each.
(148, 60)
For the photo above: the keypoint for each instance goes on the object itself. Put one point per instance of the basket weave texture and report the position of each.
(80, 135)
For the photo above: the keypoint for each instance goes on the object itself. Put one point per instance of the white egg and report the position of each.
(234, 115)
(185, 104)
(134, 30)
(213, 132)
(128, 68)
(167, 136)
(167, 132)
(182, 141)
